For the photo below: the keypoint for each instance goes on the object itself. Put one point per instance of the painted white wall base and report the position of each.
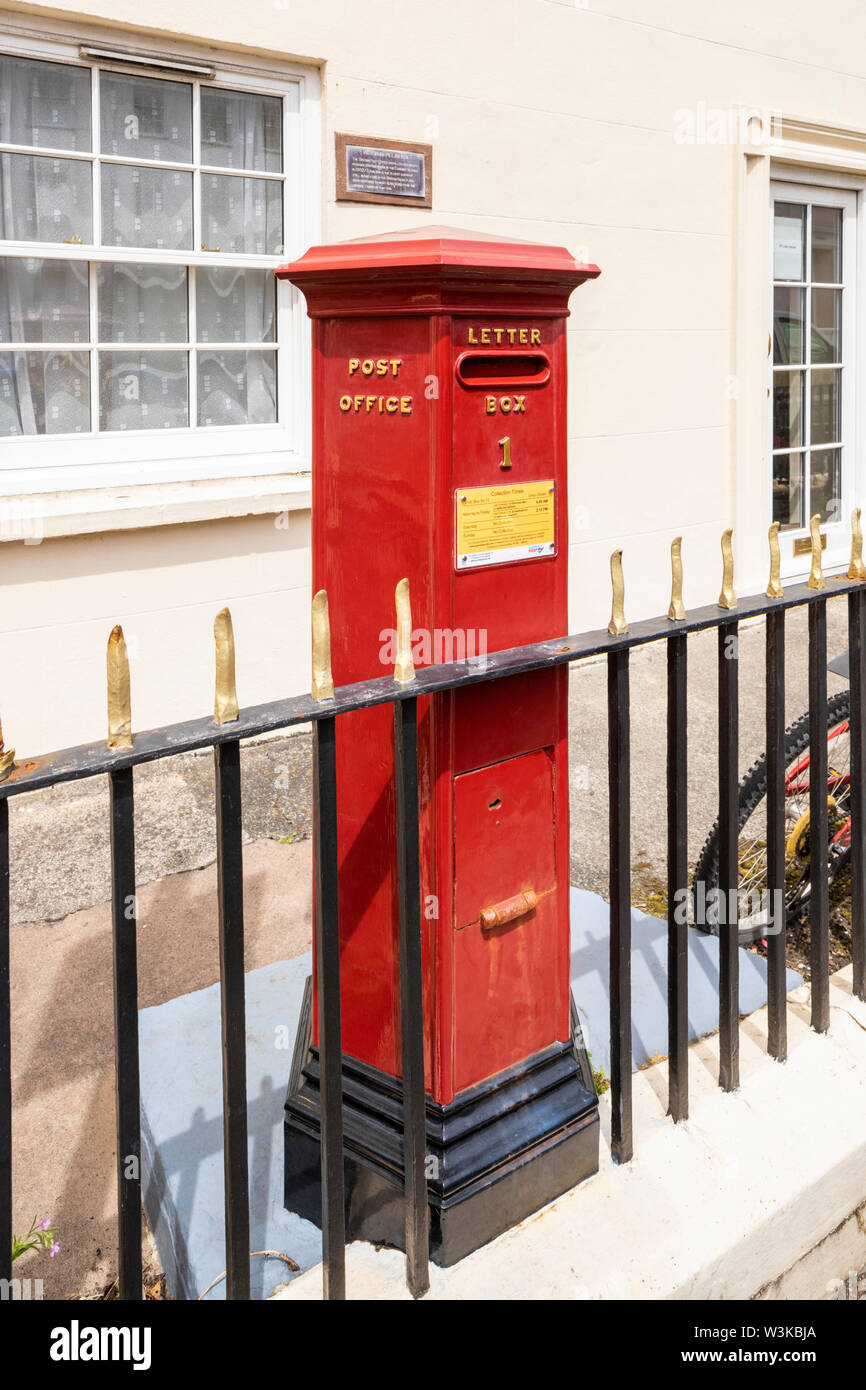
(757, 1194)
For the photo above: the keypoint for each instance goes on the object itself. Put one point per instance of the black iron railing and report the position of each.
(118, 765)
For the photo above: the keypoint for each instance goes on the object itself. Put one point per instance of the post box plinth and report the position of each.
(501, 1150)
(440, 455)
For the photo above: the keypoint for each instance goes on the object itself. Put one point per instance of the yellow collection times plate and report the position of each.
(497, 525)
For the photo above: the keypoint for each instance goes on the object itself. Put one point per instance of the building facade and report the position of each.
(154, 378)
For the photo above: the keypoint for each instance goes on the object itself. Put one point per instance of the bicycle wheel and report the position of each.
(753, 899)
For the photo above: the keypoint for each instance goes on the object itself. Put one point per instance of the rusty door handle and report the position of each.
(509, 909)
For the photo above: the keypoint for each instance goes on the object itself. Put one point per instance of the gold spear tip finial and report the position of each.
(774, 585)
(323, 682)
(119, 706)
(617, 627)
(816, 576)
(727, 598)
(677, 611)
(404, 668)
(7, 758)
(225, 707)
(856, 569)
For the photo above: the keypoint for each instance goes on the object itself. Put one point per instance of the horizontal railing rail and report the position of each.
(230, 725)
(194, 735)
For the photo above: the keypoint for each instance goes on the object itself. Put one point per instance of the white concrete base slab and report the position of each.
(730, 1204)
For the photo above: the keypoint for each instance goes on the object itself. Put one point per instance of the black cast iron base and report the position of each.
(497, 1153)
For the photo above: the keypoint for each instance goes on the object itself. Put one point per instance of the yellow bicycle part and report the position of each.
(796, 844)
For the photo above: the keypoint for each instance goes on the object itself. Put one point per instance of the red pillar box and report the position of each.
(439, 453)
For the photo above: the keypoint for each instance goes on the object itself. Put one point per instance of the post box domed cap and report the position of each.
(448, 249)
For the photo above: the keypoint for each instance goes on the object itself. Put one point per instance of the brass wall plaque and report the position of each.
(371, 170)
(497, 525)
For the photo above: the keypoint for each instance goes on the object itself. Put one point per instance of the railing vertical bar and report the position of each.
(328, 1004)
(411, 997)
(857, 718)
(729, 958)
(819, 894)
(619, 778)
(124, 914)
(230, 890)
(5, 1054)
(777, 1020)
(678, 947)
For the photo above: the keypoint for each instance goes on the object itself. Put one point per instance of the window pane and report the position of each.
(788, 314)
(236, 388)
(788, 490)
(45, 199)
(44, 393)
(825, 483)
(241, 131)
(143, 118)
(826, 325)
(827, 244)
(235, 306)
(789, 236)
(824, 427)
(787, 409)
(142, 304)
(143, 390)
(146, 207)
(242, 214)
(43, 301)
(45, 104)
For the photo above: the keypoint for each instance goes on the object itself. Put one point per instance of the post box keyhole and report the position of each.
(495, 804)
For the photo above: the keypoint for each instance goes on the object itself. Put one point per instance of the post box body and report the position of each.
(439, 454)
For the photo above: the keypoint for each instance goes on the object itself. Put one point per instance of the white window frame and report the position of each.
(49, 463)
(788, 186)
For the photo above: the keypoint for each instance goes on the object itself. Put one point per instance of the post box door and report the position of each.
(507, 976)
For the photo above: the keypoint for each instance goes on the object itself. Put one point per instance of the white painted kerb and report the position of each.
(719, 1207)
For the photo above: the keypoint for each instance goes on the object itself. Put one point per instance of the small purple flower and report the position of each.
(43, 1225)
(54, 1249)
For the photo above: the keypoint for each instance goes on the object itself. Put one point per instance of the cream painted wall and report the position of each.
(62, 598)
(550, 120)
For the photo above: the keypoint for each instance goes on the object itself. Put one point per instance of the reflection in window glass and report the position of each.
(241, 130)
(825, 484)
(826, 325)
(44, 104)
(43, 301)
(142, 304)
(146, 207)
(826, 245)
(788, 490)
(143, 390)
(824, 411)
(788, 324)
(242, 215)
(45, 199)
(236, 388)
(145, 118)
(235, 306)
(789, 242)
(44, 393)
(787, 410)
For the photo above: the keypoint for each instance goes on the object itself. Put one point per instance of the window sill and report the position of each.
(46, 515)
